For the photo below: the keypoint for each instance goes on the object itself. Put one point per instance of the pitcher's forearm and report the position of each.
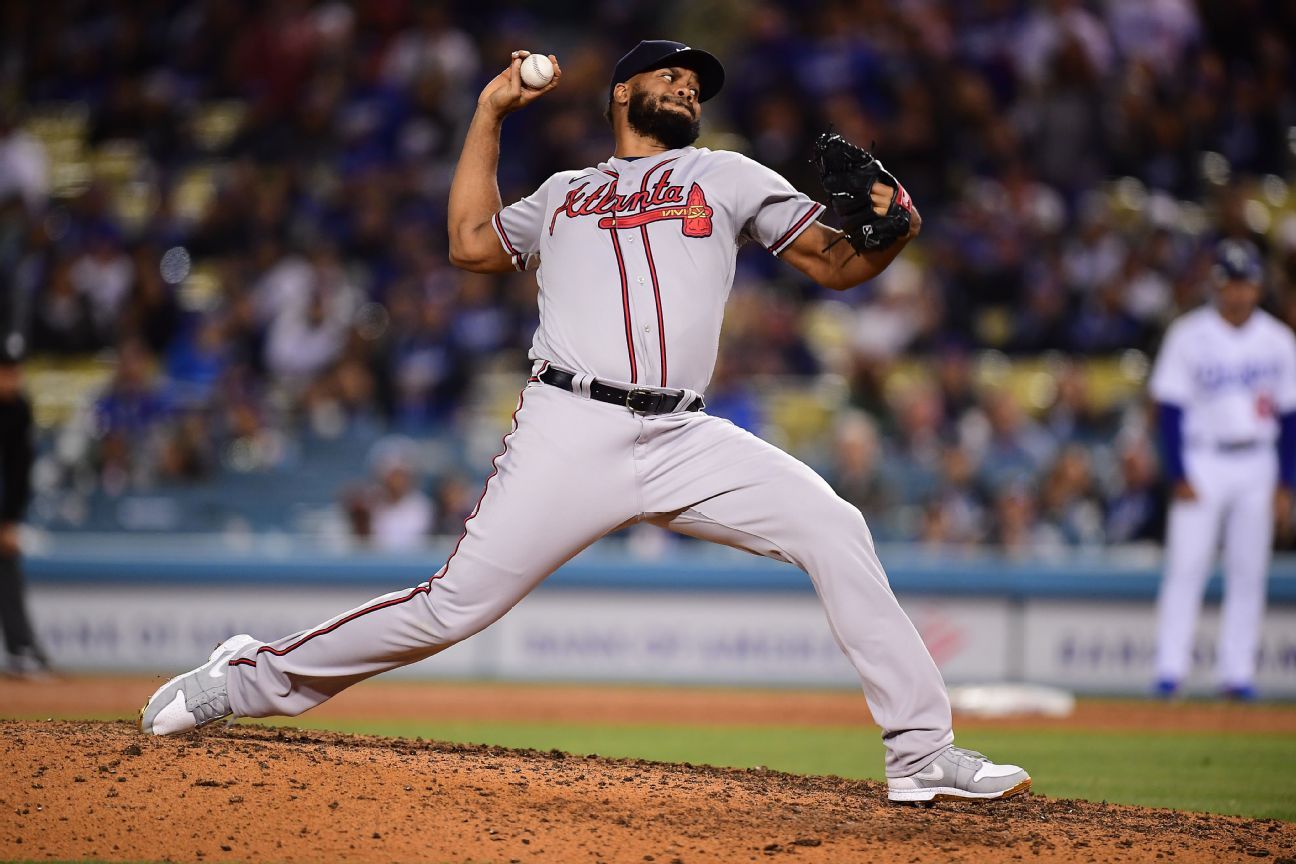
(823, 254)
(854, 268)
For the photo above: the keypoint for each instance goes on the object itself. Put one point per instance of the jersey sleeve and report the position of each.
(769, 208)
(1171, 381)
(518, 226)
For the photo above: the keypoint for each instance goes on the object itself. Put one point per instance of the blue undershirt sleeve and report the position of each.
(1287, 449)
(1170, 425)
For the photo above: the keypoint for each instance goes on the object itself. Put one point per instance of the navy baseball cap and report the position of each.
(1238, 259)
(659, 53)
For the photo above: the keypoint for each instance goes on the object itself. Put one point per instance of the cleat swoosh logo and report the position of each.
(990, 769)
(931, 772)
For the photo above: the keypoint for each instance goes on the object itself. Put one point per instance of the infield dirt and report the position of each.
(102, 791)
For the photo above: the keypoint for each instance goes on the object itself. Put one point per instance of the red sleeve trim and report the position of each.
(518, 262)
(783, 242)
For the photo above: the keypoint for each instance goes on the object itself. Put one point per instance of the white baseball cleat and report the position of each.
(194, 699)
(959, 773)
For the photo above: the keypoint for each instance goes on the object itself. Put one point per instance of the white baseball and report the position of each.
(537, 71)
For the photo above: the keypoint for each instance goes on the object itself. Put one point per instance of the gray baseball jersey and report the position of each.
(635, 260)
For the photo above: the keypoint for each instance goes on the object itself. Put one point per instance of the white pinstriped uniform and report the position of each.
(635, 260)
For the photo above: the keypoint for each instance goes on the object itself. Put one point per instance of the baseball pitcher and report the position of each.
(635, 259)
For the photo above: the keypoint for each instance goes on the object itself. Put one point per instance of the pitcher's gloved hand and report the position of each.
(848, 173)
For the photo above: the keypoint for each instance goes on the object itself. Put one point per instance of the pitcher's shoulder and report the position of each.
(565, 178)
(1275, 326)
(722, 157)
(1192, 320)
(729, 162)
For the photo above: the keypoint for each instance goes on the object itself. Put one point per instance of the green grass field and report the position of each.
(1185, 771)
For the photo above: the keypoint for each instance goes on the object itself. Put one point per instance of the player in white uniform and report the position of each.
(1225, 384)
(635, 259)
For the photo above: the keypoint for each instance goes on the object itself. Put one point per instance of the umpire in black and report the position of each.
(16, 454)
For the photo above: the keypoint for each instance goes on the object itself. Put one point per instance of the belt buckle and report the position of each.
(641, 401)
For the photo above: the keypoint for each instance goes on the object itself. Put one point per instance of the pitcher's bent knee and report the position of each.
(451, 624)
(830, 525)
(839, 521)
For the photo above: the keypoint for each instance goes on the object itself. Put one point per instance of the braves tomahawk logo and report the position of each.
(665, 200)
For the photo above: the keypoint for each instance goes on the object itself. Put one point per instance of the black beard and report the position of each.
(671, 129)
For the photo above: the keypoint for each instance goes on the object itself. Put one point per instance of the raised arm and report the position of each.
(474, 191)
(823, 254)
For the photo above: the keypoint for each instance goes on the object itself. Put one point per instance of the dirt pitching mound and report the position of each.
(102, 791)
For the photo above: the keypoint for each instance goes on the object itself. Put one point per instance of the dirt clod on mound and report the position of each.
(246, 793)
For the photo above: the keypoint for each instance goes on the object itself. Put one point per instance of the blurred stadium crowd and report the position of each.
(222, 231)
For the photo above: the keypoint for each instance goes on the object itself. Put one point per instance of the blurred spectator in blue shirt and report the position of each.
(1136, 512)
(428, 367)
(857, 475)
(956, 515)
(913, 459)
(1075, 415)
(129, 421)
(1016, 449)
(732, 396)
(1068, 502)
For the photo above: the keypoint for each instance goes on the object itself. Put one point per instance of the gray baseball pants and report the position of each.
(574, 470)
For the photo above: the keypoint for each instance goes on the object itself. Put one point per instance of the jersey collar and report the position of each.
(620, 165)
(1246, 327)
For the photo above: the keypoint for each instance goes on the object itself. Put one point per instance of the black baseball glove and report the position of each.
(848, 174)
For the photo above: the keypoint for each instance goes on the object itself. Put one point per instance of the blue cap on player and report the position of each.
(660, 53)
(1238, 260)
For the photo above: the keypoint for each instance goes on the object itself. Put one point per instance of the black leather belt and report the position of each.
(636, 399)
(1237, 446)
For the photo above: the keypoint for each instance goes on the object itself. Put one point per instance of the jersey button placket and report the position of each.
(643, 349)
(645, 311)
(643, 306)
(632, 311)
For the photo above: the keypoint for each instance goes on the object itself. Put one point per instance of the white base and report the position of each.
(1006, 700)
